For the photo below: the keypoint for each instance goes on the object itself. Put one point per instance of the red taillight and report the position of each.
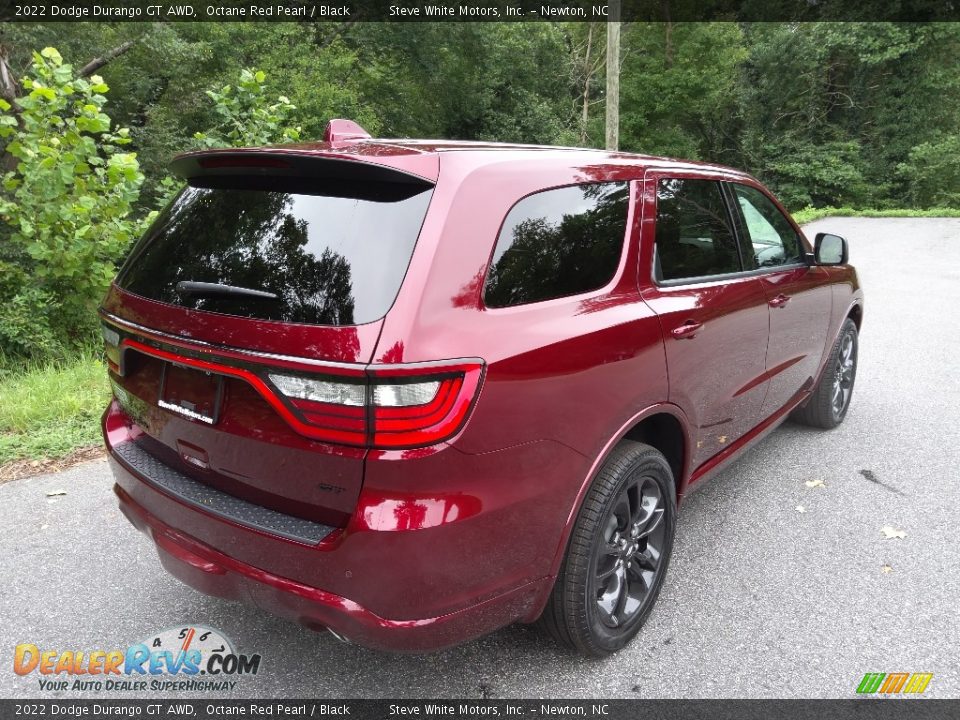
(397, 406)
(377, 406)
(406, 426)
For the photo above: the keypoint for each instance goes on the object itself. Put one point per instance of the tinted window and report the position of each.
(557, 243)
(772, 238)
(693, 237)
(328, 260)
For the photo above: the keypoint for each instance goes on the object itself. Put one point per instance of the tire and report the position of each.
(618, 554)
(830, 399)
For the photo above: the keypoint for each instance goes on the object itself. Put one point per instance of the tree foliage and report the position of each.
(247, 117)
(932, 173)
(830, 111)
(679, 89)
(67, 206)
(827, 114)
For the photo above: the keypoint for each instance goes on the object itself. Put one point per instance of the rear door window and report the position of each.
(557, 243)
(325, 258)
(694, 237)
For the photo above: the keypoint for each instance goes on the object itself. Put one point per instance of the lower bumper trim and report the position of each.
(208, 499)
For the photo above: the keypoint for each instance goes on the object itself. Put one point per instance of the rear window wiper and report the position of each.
(210, 289)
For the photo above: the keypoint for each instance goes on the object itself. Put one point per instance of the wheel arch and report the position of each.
(663, 431)
(663, 426)
(855, 313)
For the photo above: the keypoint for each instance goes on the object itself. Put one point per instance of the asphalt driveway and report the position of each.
(761, 600)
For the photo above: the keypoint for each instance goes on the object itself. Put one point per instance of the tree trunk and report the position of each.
(613, 76)
(667, 35)
(587, 72)
(8, 91)
(8, 85)
(91, 67)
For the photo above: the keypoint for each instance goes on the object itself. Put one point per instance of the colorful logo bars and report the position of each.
(892, 683)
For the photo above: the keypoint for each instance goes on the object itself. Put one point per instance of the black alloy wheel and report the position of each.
(830, 398)
(617, 555)
(628, 559)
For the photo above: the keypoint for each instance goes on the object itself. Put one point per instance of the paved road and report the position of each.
(760, 601)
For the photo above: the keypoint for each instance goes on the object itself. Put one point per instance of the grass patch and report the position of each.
(809, 214)
(50, 410)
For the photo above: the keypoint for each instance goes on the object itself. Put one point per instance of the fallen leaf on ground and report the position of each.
(815, 483)
(889, 533)
(886, 569)
(801, 509)
(55, 493)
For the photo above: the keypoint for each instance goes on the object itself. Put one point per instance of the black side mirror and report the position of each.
(830, 250)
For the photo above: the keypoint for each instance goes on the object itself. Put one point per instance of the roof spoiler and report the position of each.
(337, 157)
(206, 166)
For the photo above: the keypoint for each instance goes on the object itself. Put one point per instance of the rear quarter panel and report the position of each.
(566, 370)
(563, 376)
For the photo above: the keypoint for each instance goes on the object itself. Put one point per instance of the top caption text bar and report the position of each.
(478, 10)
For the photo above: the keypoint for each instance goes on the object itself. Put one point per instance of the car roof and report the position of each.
(409, 155)
(399, 146)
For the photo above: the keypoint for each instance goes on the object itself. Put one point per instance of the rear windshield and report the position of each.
(331, 257)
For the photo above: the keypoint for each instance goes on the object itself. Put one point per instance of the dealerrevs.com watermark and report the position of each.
(189, 658)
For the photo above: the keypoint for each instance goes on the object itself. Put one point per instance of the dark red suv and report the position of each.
(414, 391)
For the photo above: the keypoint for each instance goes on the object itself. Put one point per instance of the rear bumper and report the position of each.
(425, 561)
(213, 573)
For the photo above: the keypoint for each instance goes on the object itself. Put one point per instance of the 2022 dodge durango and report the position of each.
(414, 391)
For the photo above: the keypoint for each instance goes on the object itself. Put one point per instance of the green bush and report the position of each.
(66, 207)
(247, 117)
(932, 172)
(809, 214)
(808, 174)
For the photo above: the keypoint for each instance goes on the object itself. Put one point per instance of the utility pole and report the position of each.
(613, 76)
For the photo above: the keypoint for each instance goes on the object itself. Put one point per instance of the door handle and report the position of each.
(779, 301)
(687, 331)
